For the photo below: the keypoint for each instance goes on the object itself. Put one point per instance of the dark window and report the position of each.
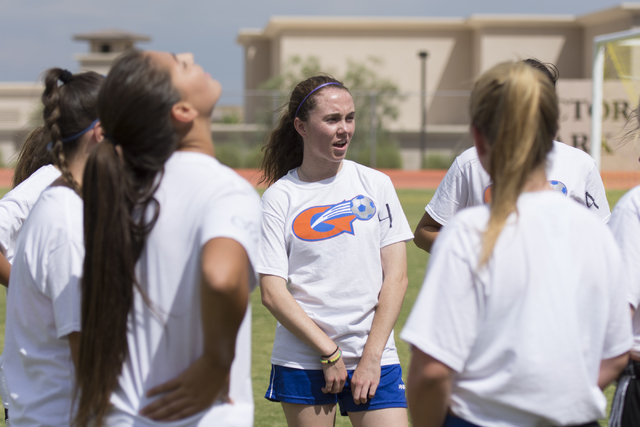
(105, 48)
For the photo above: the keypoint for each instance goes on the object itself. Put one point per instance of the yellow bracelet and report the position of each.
(335, 359)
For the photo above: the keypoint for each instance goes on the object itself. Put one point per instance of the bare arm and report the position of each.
(426, 232)
(288, 312)
(224, 294)
(610, 369)
(394, 266)
(428, 390)
(5, 270)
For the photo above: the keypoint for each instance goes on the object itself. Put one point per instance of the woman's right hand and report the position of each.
(335, 374)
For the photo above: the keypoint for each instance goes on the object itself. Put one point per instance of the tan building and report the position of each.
(459, 49)
(20, 106)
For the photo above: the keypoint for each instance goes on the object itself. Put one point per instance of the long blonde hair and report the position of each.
(515, 108)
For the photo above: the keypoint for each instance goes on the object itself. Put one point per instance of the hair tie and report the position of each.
(319, 87)
(65, 76)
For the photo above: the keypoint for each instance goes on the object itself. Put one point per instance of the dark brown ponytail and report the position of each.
(284, 150)
(33, 155)
(69, 108)
(119, 182)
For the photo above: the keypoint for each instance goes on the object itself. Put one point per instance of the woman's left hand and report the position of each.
(365, 379)
(192, 391)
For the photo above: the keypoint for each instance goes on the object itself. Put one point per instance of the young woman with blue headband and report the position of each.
(333, 267)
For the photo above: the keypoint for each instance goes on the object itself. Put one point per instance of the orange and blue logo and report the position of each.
(328, 221)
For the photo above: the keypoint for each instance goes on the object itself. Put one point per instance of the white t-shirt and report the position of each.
(14, 209)
(570, 171)
(43, 307)
(17, 203)
(625, 225)
(325, 238)
(526, 333)
(200, 200)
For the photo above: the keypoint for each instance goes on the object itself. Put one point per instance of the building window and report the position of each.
(105, 48)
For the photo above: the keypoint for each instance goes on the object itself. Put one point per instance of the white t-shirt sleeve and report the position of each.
(274, 259)
(450, 196)
(595, 194)
(394, 226)
(445, 320)
(12, 215)
(65, 265)
(625, 225)
(239, 220)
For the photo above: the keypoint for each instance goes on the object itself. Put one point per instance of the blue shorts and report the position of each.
(303, 386)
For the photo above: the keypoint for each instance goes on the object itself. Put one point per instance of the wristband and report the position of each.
(335, 358)
(334, 352)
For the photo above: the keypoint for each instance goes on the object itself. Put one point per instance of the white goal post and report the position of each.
(627, 38)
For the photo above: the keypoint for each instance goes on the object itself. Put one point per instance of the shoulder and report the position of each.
(30, 188)
(466, 164)
(206, 172)
(468, 156)
(630, 201)
(365, 171)
(58, 202)
(563, 152)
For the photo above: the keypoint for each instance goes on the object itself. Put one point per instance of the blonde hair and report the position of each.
(515, 108)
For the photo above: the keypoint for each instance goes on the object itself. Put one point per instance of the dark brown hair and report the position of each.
(68, 109)
(547, 68)
(33, 155)
(284, 150)
(135, 110)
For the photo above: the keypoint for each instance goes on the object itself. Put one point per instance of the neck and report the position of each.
(310, 171)
(537, 180)
(78, 161)
(197, 137)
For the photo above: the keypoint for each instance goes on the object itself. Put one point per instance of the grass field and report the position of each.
(268, 414)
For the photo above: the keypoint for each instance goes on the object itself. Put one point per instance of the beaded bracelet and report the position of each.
(334, 352)
(335, 359)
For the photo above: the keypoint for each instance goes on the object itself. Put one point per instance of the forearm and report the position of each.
(394, 288)
(428, 390)
(288, 312)
(224, 297)
(222, 315)
(610, 369)
(426, 232)
(384, 320)
(428, 401)
(5, 271)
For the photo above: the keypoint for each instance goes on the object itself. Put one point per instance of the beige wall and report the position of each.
(560, 46)
(447, 65)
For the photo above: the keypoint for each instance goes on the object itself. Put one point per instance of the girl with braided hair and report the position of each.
(43, 307)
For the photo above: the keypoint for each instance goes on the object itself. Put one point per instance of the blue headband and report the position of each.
(82, 132)
(77, 135)
(319, 87)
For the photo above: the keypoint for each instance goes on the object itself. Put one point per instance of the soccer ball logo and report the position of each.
(363, 207)
(559, 187)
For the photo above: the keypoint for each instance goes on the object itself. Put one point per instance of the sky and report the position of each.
(37, 34)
